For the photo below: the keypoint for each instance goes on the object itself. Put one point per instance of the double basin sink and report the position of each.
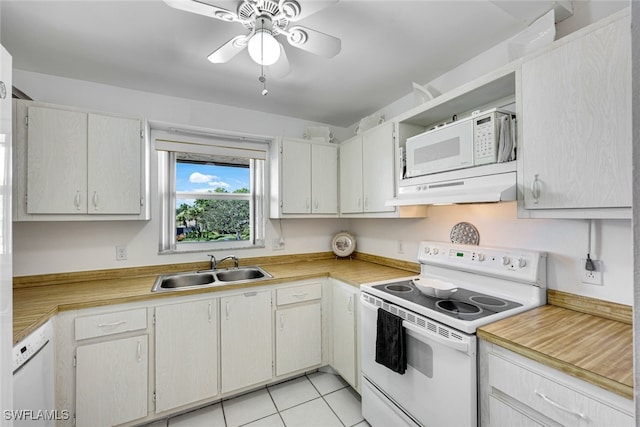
(208, 278)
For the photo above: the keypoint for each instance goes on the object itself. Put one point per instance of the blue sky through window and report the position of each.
(203, 178)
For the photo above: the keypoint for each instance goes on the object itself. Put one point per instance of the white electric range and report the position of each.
(439, 384)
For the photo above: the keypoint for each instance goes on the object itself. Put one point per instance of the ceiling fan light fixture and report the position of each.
(263, 48)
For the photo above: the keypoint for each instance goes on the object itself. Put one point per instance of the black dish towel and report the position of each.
(390, 342)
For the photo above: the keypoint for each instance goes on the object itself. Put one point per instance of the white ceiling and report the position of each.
(149, 46)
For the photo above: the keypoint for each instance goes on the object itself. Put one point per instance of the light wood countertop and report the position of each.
(590, 347)
(38, 298)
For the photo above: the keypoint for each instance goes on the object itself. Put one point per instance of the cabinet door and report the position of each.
(245, 340)
(351, 176)
(324, 179)
(576, 125)
(296, 177)
(186, 353)
(57, 161)
(298, 338)
(343, 306)
(378, 161)
(114, 165)
(502, 415)
(111, 382)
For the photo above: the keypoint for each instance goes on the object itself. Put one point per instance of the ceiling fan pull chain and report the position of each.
(262, 78)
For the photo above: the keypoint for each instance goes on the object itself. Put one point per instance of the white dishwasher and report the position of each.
(33, 379)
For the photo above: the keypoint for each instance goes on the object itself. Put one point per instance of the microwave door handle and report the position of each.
(422, 336)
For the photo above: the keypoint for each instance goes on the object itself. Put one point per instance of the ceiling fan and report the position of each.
(265, 20)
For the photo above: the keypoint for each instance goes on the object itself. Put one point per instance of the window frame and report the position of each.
(167, 162)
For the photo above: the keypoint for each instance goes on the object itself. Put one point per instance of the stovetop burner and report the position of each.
(458, 307)
(464, 304)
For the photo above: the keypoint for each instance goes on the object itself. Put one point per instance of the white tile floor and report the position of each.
(318, 399)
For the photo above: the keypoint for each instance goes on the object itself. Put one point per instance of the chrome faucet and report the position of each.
(214, 263)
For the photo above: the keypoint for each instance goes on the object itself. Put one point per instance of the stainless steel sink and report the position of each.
(209, 278)
(241, 274)
(187, 280)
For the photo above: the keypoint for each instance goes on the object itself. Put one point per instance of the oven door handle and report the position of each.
(424, 337)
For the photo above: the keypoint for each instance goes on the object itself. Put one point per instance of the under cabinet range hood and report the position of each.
(480, 184)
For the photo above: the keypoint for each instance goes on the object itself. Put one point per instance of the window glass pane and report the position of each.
(208, 218)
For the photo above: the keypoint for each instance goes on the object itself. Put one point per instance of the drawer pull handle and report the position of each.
(112, 324)
(559, 406)
(301, 295)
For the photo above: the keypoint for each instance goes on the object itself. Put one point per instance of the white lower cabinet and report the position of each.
(186, 353)
(246, 343)
(522, 392)
(344, 300)
(112, 382)
(298, 328)
(134, 363)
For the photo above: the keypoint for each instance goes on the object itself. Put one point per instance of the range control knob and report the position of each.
(506, 260)
(435, 251)
(480, 257)
(522, 262)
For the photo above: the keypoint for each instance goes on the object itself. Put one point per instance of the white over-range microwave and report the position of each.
(484, 138)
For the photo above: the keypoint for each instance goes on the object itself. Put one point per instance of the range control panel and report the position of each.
(513, 264)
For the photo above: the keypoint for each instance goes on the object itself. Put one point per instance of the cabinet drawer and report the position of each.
(563, 404)
(298, 294)
(110, 323)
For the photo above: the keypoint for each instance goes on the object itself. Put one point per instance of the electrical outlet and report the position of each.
(400, 247)
(277, 244)
(121, 253)
(591, 277)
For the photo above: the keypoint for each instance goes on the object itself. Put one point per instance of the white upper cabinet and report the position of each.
(575, 123)
(114, 141)
(304, 178)
(57, 162)
(72, 164)
(367, 165)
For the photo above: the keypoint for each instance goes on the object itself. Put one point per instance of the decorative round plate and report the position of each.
(465, 233)
(343, 244)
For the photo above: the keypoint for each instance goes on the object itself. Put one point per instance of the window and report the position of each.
(211, 193)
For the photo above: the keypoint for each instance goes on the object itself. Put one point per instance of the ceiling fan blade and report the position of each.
(281, 68)
(228, 50)
(194, 6)
(314, 41)
(295, 11)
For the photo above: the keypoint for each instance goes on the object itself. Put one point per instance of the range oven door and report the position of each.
(439, 385)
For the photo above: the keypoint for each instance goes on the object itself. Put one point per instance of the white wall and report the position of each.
(52, 247)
